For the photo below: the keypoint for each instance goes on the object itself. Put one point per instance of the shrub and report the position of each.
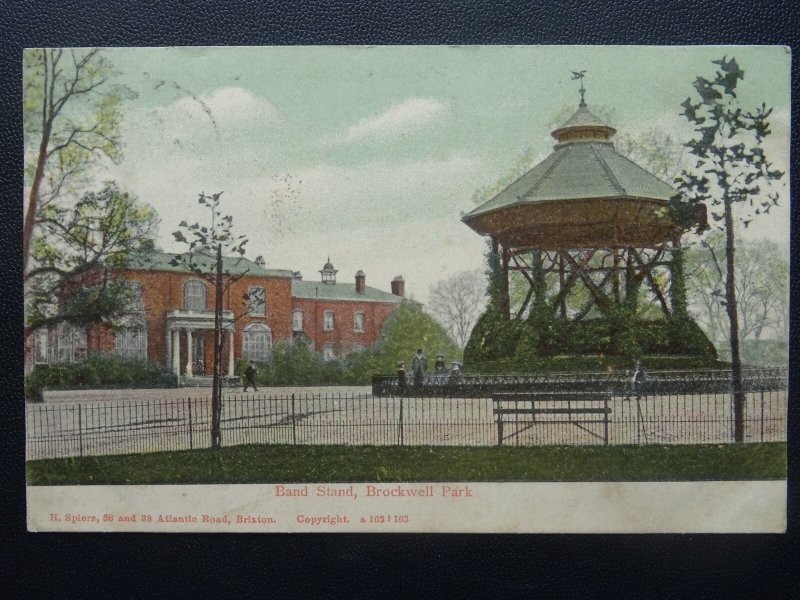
(97, 371)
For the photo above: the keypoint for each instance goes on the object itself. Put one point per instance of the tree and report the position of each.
(206, 245)
(75, 253)
(71, 118)
(457, 302)
(407, 329)
(731, 173)
(655, 150)
(762, 277)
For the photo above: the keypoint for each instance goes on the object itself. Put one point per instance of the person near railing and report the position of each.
(419, 366)
(638, 379)
(401, 377)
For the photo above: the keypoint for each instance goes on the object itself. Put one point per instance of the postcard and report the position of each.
(407, 288)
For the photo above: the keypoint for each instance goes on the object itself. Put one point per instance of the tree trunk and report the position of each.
(733, 318)
(216, 390)
(33, 201)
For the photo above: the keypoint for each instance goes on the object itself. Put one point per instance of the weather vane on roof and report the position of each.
(580, 75)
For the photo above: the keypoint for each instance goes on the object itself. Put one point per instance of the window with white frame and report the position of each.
(71, 347)
(297, 320)
(40, 346)
(256, 301)
(256, 342)
(328, 351)
(327, 322)
(358, 322)
(194, 295)
(131, 342)
(356, 347)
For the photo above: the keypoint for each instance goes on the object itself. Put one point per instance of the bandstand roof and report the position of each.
(586, 173)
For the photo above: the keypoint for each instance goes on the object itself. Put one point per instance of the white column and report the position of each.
(189, 352)
(168, 349)
(230, 353)
(176, 351)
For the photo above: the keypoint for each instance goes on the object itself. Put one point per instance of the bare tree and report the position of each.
(762, 278)
(457, 302)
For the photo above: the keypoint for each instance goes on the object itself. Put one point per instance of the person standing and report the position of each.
(250, 376)
(419, 366)
(638, 380)
(401, 377)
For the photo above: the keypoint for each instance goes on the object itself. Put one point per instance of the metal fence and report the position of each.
(484, 385)
(658, 414)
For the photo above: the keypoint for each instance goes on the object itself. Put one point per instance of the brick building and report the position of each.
(171, 320)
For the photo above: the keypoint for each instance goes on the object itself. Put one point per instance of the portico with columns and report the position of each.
(189, 329)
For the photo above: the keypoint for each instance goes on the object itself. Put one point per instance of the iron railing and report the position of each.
(659, 413)
(483, 385)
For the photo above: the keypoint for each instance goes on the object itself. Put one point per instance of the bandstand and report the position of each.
(592, 233)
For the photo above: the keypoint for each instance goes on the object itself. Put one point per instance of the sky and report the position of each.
(370, 155)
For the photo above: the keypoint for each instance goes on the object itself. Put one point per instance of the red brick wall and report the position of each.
(163, 291)
(342, 336)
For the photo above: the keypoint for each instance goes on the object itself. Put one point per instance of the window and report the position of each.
(327, 323)
(358, 322)
(194, 295)
(71, 346)
(256, 342)
(256, 301)
(328, 352)
(356, 348)
(136, 304)
(297, 320)
(131, 342)
(40, 346)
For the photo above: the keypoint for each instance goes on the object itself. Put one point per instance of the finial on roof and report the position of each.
(580, 75)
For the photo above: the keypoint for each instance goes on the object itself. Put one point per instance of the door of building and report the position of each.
(198, 357)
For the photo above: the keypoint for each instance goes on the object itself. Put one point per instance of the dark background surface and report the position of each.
(348, 565)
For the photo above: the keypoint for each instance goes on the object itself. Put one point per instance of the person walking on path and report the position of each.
(419, 366)
(250, 376)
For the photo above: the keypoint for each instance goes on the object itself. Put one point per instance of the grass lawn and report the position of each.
(298, 464)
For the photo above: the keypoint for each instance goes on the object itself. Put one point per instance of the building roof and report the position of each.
(340, 291)
(161, 261)
(579, 169)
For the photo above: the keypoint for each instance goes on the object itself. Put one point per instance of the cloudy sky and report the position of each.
(370, 155)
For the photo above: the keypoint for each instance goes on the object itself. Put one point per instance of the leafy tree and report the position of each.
(75, 253)
(731, 175)
(457, 302)
(407, 329)
(206, 246)
(71, 118)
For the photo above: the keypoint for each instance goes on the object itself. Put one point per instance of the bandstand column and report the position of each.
(176, 351)
(230, 353)
(189, 353)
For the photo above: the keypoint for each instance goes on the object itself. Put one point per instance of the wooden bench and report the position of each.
(575, 408)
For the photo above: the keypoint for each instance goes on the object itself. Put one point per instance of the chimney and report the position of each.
(399, 286)
(260, 262)
(361, 282)
(297, 275)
